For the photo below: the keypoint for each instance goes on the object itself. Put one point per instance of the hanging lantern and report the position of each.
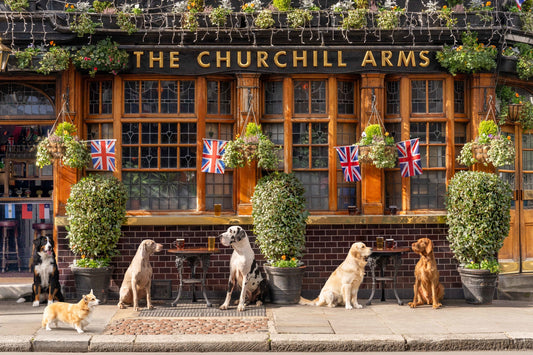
(5, 52)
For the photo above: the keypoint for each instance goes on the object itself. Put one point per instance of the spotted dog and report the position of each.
(244, 270)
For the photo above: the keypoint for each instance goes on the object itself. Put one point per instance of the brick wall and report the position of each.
(327, 246)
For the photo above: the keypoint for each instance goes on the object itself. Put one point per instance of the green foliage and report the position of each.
(282, 5)
(55, 59)
(470, 57)
(83, 25)
(505, 94)
(526, 116)
(254, 146)
(285, 262)
(17, 5)
(96, 210)
(487, 127)
(371, 131)
(527, 5)
(25, 57)
(126, 22)
(478, 216)
(264, 19)
(299, 18)
(219, 16)
(105, 56)
(65, 130)
(382, 151)
(72, 152)
(491, 265)
(102, 6)
(189, 21)
(279, 214)
(500, 151)
(389, 19)
(524, 65)
(195, 6)
(356, 19)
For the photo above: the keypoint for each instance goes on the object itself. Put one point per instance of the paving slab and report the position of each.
(337, 342)
(16, 343)
(61, 341)
(458, 342)
(112, 343)
(211, 343)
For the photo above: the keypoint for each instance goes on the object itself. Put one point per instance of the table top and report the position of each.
(194, 251)
(390, 251)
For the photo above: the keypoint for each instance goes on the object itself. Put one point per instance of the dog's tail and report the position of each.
(307, 302)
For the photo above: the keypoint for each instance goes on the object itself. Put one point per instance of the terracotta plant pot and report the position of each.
(513, 113)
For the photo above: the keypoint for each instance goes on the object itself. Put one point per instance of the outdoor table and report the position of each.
(195, 257)
(381, 257)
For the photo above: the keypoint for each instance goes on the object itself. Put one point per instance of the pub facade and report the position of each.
(312, 88)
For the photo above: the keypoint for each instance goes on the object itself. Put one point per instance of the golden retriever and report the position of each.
(343, 284)
(427, 288)
(138, 278)
(76, 314)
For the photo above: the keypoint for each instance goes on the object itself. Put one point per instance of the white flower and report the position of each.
(180, 7)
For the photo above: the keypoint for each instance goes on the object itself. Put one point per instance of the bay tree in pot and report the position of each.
(96, 210)
(279, 223)
(478, 216)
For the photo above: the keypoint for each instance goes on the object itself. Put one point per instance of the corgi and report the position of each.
(76, 314)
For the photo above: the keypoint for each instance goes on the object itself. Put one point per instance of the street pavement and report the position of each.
(381, 326)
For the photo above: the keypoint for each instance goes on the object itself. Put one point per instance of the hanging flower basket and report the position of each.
(480, 152)
(56, 149)
(364, 154)
(513, 113)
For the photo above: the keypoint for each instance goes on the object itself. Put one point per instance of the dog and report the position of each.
(427, 288)
(343, 284)
(244, 270)
(138, 278)
(45, 272)
(77, 314)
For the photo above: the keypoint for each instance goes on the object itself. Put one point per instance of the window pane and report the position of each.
(149, 157)
(94, 97)
(130, 133)
(187, 157)
(300, 157)
(418, 96)
(274, 97)
(188, 133)
(187, 98)
(150, 96)
(316, 188)
(435, 97)
(219, 189)
(437, 156)
(274, 131)
(346, 192)
(345, 97)
(301, 97)
(169, 133)
(393, 97)
(169, 97)
(346, 133)
(16, 99)
(300, 133)
(393, 189)
(107, 97)
(428, 190)
(225, 98)
(169, 157)
(150, 133)
(318, 97)
(418, 130)
(212, 97)
(459, 96)
(131, 97)
(437, 132)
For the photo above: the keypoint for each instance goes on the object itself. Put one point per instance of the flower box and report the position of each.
(513, 113)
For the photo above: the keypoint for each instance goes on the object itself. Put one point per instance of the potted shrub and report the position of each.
(376, 147)
(478, 216)
(96, 210)
(490, 147)
(63, 145)
(279, 217)
(254, 146)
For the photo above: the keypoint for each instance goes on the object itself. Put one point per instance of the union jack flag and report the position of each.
(519, 3)
(409, 157)
(212, 156)
(103, 154)
(348, 156)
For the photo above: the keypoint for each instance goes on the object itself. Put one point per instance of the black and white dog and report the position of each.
(244, 270)
(45, 272)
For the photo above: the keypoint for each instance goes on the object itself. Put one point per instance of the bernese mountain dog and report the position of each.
(45, 272)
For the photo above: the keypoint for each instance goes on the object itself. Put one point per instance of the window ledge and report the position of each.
(439, 218)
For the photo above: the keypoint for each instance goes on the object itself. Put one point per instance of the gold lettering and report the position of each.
(326, 62)
(422, 55)
(385, 58)
(315, 59)
(276, 59)
(239, 59)
(402, 59)
(138, 60)
(200, 62)
(174, 59)
(340, 63)
(261, 59)
(223, 59)
(156, 59)
(296, 59)
(369, 59)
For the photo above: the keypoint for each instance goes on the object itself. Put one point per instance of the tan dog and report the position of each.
(427, 287)
(138, 278)
(343, 284)
(76, 314)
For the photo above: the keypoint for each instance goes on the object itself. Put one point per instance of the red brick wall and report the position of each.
(327, 246)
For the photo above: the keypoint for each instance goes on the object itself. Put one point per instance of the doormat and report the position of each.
(200, 310)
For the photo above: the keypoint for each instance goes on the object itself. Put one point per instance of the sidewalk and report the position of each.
(382, 326)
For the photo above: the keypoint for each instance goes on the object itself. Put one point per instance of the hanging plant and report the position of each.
(490, 147)
(126, 18)
(17, 5)
(355, 20)
(299, 18)
(254, 146)
(219, 16)
(63, 145)
(264, 19)
(105, 56)
(55, 59)
(189, 21)
(389, 19)
(376, 147)
(25, 57)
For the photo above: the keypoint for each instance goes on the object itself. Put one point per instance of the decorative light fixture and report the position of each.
(5, 52)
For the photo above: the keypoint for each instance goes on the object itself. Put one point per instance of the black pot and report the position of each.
(478, 285)
(96, 279)
(285, 283)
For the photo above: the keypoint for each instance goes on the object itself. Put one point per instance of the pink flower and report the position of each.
(86, 58)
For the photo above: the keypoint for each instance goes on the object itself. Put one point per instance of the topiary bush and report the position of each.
(96, 210)
(478, 216)
(279, 214)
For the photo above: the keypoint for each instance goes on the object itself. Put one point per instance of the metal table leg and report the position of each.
(371, 262)
(397, 262)
(179, 266)
(205, 267)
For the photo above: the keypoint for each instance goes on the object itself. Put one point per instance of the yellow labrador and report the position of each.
(342, 285)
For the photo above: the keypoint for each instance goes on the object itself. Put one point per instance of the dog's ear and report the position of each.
(144, 249)
(429, 246)
(37, 242)
(354, 250)
(241, 234)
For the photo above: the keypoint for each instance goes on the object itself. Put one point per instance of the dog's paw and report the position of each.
(258, 303)
(223, 307)
(50, 302)
(241, 307)
(412, 304)
(348, 306)
(437, 305)
(35, 304)
(358, 306)
(48, 328)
